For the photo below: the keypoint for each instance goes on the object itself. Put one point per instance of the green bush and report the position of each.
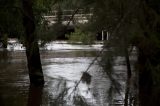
(81, 37)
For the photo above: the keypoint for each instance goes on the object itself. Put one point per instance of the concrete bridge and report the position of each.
(67, 15)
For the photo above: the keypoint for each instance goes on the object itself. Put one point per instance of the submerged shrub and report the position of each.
(81, 37)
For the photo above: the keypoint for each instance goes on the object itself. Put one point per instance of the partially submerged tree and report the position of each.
(31, 44)
(22, 17)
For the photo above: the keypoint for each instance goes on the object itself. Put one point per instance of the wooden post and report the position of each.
(107, 35)
(102, 35)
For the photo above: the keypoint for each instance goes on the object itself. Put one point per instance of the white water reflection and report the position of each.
(14, 45)
(63, 65)
(67, 68)
(70, 70)
(65, 46)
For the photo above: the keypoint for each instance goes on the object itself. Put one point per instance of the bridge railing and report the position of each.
(80, 17)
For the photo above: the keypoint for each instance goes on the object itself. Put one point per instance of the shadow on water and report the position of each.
(131, 94)
(149, 96)
(13, 80)
(59, 94)
(35, 96)
(79, 101)
(4, 55)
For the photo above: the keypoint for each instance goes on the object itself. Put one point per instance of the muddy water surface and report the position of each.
(63, 66)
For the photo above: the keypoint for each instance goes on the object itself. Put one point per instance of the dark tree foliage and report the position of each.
(133, 23)
(149, 50)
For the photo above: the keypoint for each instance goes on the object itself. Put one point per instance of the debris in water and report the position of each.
(86, 77)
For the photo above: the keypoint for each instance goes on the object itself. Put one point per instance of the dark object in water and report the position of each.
(86, 77)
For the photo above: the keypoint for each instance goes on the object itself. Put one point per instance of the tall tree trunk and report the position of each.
(129, 73)
(126, 100)
(126, 54)
(32, 49)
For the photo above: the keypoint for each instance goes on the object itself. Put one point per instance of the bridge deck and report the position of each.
(66, 15)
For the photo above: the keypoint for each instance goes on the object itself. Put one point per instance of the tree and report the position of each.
(31, 44)
(21, 18)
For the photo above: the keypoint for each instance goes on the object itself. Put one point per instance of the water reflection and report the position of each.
(35, 96)
(4, 55)
(62, 69)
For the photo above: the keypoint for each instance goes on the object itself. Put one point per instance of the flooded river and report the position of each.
(63, 66)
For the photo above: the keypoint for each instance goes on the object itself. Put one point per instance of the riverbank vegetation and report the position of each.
(81, 37)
